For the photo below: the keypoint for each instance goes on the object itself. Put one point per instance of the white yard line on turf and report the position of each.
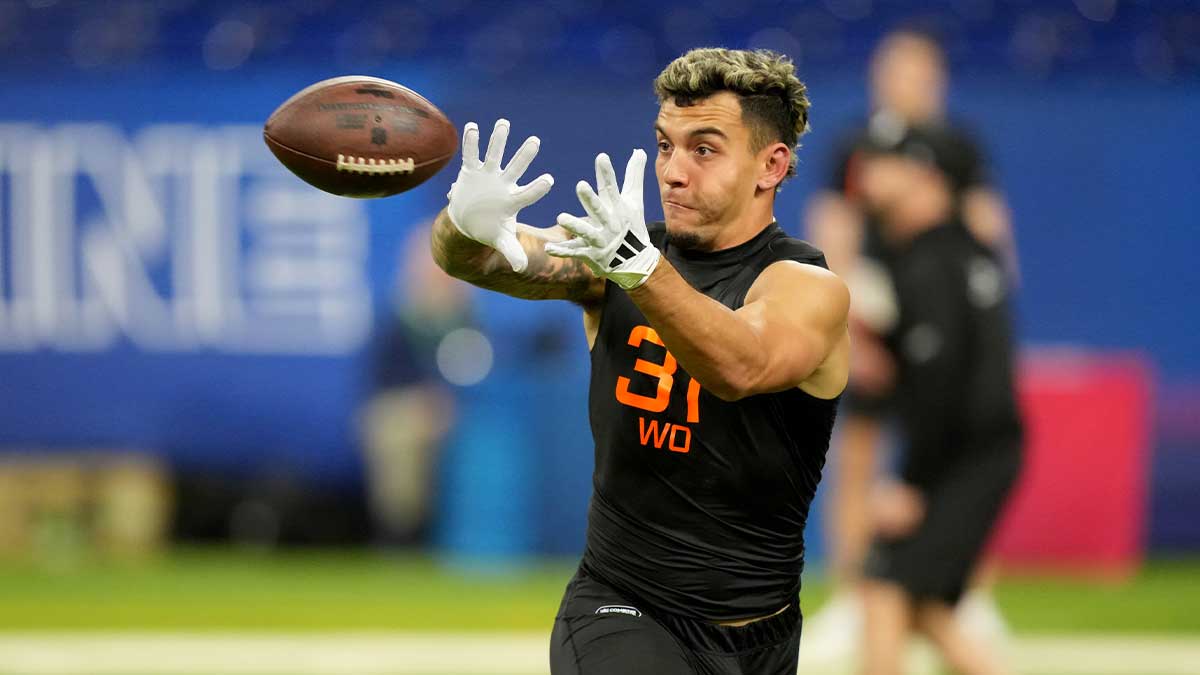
(1115, 655)
(475, 654)
(252, 654)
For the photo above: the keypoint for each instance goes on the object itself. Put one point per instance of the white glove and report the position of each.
(484, 201)
(613, 240)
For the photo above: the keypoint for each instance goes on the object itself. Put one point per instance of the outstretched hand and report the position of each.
(612, 240)
(485, 200)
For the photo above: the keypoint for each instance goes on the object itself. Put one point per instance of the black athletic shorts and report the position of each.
(598, 631)
(935, 561)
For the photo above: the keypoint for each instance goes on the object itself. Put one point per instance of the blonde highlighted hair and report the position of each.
(774, 101)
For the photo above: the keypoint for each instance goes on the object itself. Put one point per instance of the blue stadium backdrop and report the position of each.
(166, 285)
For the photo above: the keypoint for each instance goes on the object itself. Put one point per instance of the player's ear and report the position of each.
(775, 160)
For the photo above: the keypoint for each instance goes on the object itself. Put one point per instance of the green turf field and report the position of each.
(220, 589)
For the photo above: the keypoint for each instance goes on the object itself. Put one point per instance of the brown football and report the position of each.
(359, 136)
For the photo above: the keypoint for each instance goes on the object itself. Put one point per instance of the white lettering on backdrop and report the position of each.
(181, 238)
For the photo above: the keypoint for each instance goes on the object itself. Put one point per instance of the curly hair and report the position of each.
(774, 101)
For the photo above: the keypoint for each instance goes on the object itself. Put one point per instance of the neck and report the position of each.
(747, 224)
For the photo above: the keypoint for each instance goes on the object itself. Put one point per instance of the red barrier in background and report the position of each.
(1081, 501)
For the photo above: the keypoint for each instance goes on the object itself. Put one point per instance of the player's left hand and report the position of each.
(612, 240)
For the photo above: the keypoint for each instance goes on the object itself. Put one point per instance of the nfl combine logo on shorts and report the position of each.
(619, 609)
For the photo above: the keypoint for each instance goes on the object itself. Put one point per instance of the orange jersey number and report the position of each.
(665, 372)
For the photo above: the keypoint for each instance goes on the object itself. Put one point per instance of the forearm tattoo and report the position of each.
(544, 278)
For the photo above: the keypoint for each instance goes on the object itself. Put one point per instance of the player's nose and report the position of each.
(673, 172)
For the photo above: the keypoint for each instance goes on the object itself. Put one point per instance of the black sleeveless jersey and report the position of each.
(698, 504)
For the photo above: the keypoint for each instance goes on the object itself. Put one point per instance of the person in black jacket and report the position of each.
(909, 79)
(952, 347)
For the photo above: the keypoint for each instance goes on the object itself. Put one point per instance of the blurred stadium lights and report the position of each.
(228, 45)
(1159, 39)
(464, 357)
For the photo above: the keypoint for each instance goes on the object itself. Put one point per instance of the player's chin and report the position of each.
(680, 218)
(676, 228)
(684, 237)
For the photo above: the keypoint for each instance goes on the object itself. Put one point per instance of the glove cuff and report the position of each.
(635, 271)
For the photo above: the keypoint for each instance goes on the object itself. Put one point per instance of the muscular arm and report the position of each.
(794, 317)
(545, 277)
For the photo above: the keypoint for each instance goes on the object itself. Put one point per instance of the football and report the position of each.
(359, 136)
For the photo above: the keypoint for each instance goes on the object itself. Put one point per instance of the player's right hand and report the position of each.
(485, 200)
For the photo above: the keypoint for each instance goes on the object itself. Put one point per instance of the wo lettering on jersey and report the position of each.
(678, 437)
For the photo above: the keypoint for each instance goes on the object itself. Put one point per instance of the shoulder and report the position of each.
(797, 250)
(787, 264)
(802, 282)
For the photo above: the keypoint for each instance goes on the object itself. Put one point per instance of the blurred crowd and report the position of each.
(1157, 39)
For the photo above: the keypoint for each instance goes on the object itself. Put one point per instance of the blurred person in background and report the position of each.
(411, 409)
(719, 351)
(908, 80)
(952, 348)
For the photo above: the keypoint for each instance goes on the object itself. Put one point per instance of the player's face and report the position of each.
(705, 167)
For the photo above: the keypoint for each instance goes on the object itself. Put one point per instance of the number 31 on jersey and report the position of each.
(677, 436)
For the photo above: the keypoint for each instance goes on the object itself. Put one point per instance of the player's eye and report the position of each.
(664, 146)
(704, 151)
